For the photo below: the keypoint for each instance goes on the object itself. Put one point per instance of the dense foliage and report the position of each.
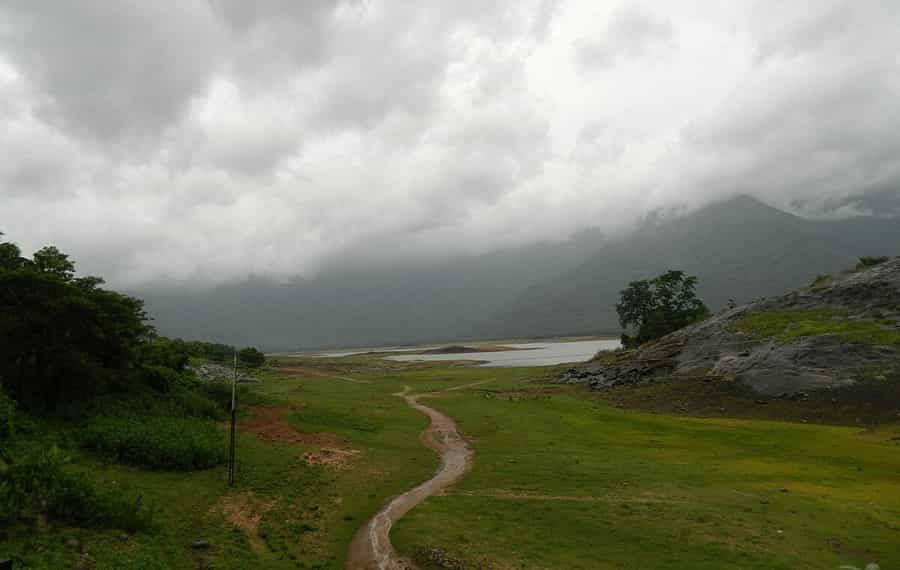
(37, 478)
(65, 338)
(156, 442)
(62, 336)
(87, 356)
(218, 352)
(658, 306)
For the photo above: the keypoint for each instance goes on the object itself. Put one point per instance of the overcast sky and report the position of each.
(203, 140)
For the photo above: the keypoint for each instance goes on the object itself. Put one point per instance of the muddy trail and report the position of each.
(371, 548)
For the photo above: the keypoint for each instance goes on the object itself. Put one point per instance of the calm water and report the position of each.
(536, 354)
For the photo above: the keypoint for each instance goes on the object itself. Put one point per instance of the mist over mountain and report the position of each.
(443, 300)
(740, 249)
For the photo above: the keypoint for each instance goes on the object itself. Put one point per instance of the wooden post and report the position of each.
(232, 447)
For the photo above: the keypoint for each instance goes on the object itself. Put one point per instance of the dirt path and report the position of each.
(371, 548)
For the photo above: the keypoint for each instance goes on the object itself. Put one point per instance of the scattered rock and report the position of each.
(440, 558)
(84, 561)
(218, 373)
(200, 544)
(783, 369)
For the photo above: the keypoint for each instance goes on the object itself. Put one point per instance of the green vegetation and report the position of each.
(37, 478)
(659, 306)
(562, 481)
(792, 324)
(560, 478)
(158, 442)
(82, 370)
(871, 401)
(867, 262)
(822, 281)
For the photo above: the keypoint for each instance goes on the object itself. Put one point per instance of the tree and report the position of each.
(62, 336)
(251, 357)
(659, 306)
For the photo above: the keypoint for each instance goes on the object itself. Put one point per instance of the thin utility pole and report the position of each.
(231, 448)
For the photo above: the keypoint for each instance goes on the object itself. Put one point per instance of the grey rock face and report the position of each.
(717, 349)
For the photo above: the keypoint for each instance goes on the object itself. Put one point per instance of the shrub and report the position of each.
(36, 480)
(251, 357)
(9, 418)
(196, 404)
(220, 393)
(156, 442)
(821, 280)
(868, 261)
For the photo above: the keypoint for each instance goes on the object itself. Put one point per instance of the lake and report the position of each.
(532, 354)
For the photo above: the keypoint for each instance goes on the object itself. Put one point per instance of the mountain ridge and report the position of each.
(739, 248)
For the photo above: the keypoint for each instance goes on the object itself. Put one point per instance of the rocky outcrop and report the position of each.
(785, 364)
(217, 373)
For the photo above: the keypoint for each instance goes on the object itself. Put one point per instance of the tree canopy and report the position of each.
(64, 337)
(659, 306)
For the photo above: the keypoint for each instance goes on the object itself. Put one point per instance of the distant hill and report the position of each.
(442, 300)
(740, 249)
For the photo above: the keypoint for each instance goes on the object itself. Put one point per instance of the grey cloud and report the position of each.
(113, 67)
(815, 129)
(198, 141)
(631, 33)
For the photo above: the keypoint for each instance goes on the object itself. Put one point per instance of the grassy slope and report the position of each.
(792, 324)
(559, 481)
(565, 482)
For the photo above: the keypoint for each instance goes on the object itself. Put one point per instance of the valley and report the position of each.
(560, 478)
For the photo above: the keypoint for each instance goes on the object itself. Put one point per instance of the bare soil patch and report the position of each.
(244, 511)
(269, 423)
(331, 457)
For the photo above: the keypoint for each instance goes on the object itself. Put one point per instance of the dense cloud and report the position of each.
(204, 140)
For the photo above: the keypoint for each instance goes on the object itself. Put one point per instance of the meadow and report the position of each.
(560, 479)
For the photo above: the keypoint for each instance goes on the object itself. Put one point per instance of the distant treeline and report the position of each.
(218, 352)
(66, 339)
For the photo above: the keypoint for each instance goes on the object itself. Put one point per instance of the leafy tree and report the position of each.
(51, 261)
(659, 306)
(251, 357)
(61, 336)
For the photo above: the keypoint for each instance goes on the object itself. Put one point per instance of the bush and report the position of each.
(9, 418)
(220, 393)
(36, 480)
(156, 442)
(868, 261)
(196, 404)
(251, 357)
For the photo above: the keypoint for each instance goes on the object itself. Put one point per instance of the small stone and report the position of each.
(783, 490)
(73, 543)
(84, 562)
(200, 544)
(872, 566)
(123, 537)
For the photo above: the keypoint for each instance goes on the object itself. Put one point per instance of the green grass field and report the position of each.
(560, 479)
